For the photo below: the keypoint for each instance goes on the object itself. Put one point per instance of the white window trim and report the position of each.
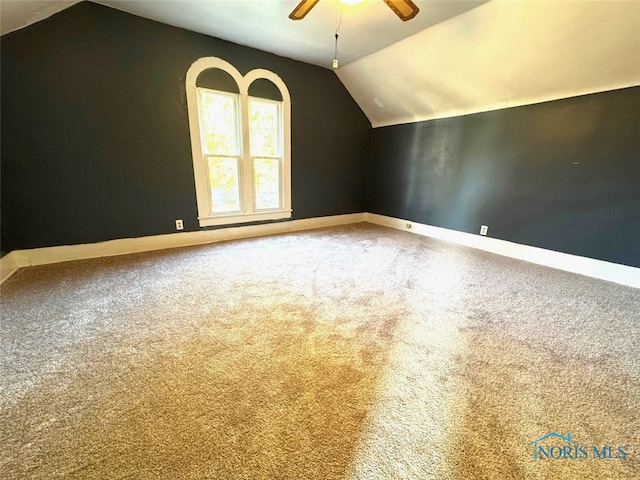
(199, 167)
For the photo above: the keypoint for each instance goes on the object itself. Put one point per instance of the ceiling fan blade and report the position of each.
(405, 9)
(302, 9)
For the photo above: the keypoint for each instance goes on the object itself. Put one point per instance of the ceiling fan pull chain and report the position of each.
(338, 23)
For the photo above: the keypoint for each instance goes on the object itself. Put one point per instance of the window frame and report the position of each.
(206, 155)
(249, 212)
(252, 157)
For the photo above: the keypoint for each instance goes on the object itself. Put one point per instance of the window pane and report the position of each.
(264, 128)
(267, 182)
(218, 123)
(224, 182)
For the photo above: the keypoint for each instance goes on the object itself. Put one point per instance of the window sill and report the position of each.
(243, 218)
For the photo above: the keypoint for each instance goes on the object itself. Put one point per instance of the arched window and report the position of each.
(240, 142)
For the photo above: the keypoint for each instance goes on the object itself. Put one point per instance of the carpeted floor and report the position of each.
(356, 353)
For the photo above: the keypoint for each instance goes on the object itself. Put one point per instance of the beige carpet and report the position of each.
(356, 353)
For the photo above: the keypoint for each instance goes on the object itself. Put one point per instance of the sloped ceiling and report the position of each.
(455, 57)
(264, 24)
(16, 14)
(501, 54)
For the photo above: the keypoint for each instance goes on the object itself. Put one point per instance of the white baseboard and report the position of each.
(41, 256)
(590, 267)
(9, 265)
(611, 272)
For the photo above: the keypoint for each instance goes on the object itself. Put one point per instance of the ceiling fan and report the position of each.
(405, 9)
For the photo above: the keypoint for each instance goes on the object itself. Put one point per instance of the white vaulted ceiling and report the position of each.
(455, 57)
(16, 14)
(501, 54)
(264, 24)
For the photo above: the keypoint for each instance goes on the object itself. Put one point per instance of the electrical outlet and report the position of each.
(179, 225)
(483, 230)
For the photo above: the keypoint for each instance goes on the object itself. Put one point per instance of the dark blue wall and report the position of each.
(561, 175)
(95, 134)
(95, 146)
